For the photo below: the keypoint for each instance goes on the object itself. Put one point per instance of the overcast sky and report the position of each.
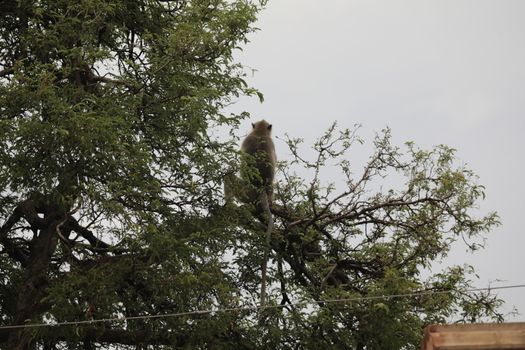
(436, 72)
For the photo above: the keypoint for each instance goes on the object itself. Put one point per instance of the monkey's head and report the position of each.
(262, 128)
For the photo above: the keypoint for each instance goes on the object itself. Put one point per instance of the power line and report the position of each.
(254, 308)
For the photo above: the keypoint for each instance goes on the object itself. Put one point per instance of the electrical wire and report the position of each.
(254, 308)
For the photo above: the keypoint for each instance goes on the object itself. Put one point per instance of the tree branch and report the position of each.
(96, 243)
(6, 71)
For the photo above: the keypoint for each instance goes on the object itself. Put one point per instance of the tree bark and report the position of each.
(33, 288)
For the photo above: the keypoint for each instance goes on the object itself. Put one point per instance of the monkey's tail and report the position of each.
(269, 228)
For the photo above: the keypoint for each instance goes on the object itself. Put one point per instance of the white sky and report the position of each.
(437, 72)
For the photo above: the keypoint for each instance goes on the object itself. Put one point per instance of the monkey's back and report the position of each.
(261, 151)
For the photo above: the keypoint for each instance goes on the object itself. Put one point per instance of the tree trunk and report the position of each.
(33, 288)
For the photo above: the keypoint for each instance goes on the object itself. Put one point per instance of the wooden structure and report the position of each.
(486, 336)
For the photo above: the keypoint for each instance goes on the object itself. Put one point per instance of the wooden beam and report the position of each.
(475, 337)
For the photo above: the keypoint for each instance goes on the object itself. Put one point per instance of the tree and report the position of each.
(111, 203)
(365, 241)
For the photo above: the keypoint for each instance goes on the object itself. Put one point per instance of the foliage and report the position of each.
(365, 241)
(111, 202)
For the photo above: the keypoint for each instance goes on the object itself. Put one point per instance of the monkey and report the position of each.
(258, 163)
(255, 184)
(257, 169)
(258, 160)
